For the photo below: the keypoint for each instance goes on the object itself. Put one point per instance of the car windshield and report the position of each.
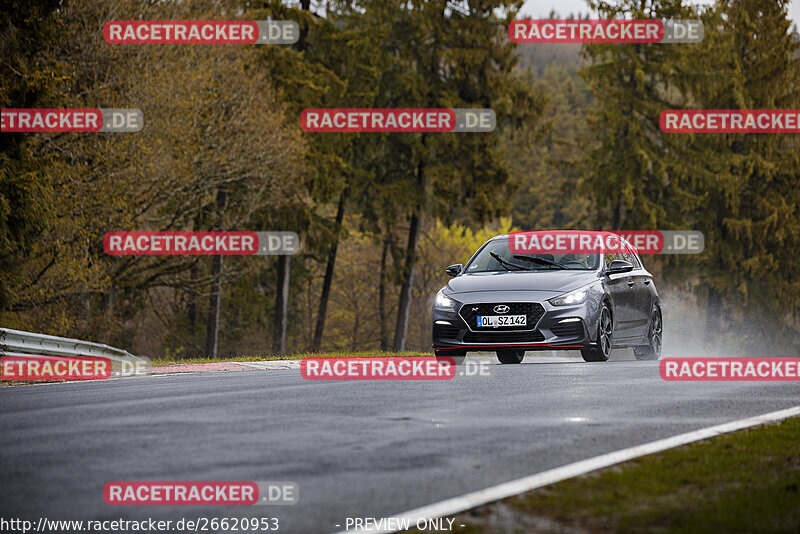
(496, 256)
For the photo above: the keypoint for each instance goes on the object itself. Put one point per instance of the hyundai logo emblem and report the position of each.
(501, 308)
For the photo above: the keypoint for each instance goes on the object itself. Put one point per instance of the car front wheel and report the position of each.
(605, 329)
(510, 356)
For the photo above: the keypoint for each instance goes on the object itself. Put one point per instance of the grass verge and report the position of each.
(298, 356)
(742, 482)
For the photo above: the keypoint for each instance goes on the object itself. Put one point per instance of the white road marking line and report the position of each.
(468, 501)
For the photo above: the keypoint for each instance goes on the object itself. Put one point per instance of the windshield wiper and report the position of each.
(541, 261)
(506, 262)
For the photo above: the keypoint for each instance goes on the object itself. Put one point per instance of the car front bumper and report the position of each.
(557, 328)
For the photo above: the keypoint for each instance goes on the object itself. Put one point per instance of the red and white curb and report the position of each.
(214, 367)
(274, 365)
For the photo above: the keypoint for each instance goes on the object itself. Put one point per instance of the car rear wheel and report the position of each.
(510, 356)
(655, 335)
(605, 329)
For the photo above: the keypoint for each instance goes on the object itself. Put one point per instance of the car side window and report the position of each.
(631, 258)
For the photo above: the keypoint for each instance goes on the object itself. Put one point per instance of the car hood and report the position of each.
(544, 282)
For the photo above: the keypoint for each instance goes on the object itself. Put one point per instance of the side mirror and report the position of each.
(619, 266)
(454, 270)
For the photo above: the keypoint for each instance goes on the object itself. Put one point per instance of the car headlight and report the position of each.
(576, 297)
(443, 301)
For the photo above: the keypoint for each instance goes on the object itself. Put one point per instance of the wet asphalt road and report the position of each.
(356, 449)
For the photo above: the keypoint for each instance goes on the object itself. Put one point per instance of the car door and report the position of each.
(642, 295)
(621, 288)
(646, 295)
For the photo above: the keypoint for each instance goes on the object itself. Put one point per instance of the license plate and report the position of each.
(501, 320)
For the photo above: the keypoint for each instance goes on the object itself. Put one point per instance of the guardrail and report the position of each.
(19, 343)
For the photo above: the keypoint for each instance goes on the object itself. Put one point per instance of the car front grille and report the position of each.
(504, 337)
(532, 310)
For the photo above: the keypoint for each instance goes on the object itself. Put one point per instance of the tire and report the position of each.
(457, 356)
(510, 356)
(654, 335)
(605, 329)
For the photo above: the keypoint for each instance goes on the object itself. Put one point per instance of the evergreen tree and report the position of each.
(632, 177)
(28, 79)
(750, 186)
(446, 55)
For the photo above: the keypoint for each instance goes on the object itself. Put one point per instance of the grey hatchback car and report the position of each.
(511, 303)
